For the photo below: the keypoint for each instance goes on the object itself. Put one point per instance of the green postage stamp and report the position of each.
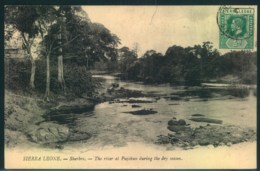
(236, 28)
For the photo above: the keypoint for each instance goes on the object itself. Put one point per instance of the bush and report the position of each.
(17, 74)
(249, 77)
(40, 76)
(238, 92)
(78, 80)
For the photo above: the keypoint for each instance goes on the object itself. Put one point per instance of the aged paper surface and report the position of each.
(155, 124)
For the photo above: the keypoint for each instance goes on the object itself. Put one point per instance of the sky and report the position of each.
(158, 27)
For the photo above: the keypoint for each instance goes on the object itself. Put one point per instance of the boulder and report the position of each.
(181, 122)
(79, 136)
(204, 142)
(115, 85)
(173, 122)
(179, 128)
(110, 89)
(163, 139)
(48, 132)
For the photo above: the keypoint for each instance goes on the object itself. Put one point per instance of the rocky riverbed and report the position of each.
(183, 135)
(118, 116)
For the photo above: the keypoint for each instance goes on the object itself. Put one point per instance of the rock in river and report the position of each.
(142, 112)
(72, 108)
(178, 128)
(208, 120)
(135, 106)
(175, 122)
(198, 115)
(182, 122)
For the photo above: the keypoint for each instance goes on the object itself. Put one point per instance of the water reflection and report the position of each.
(69, 119)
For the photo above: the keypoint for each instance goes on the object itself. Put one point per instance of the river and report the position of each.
(111, 125)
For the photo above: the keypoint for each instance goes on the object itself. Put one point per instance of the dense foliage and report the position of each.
(191, 66)
(78, 78)
(67, 44)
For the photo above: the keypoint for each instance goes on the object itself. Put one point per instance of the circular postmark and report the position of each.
(235, 23)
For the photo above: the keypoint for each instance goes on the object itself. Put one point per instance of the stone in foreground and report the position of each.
(49, 132)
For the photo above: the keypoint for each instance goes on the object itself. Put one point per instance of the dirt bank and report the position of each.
(25, 119)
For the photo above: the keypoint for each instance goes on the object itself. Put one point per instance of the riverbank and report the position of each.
(25, 118)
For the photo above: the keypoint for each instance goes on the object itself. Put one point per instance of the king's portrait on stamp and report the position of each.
(236, 27)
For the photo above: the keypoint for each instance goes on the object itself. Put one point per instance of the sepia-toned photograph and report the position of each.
(130, 87)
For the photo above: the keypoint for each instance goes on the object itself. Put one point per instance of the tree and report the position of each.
(136, 48)
(62, 11)
(46, 23)
(23, 19)
(175, 58)
(60, 33)
(127, 58)
(240, 64)
(102, 43)
(48, 43)
(191, 67)
(208, 56)
(151, 63)
(95, 41)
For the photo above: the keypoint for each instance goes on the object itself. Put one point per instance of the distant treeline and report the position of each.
(189, 66)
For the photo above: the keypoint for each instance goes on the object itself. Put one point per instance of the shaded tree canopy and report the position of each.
(61, 31)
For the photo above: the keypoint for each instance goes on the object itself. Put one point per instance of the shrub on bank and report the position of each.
(78, 80)
(238, 92)
(17, 74)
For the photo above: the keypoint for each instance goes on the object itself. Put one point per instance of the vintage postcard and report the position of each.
(130, 87)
